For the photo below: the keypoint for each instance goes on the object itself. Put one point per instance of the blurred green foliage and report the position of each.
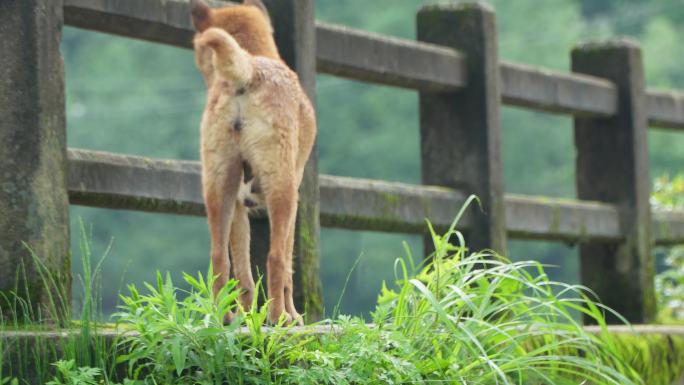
(139, 98)
(668, 194)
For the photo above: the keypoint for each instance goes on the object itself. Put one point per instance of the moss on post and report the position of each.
(612, 167)
(33, 194)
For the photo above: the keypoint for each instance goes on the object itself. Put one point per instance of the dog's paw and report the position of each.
(246, 299)
(228, 318)
(277, 314)
(297, 319)
(286, 319)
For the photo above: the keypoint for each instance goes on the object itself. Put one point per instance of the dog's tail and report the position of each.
(230, 60)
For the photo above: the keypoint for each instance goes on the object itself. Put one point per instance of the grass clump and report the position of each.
(68, 374)
(34, 337)
(470, 320)
(461, 318)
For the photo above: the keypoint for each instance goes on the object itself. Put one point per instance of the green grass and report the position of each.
(462, 318)
(30, 358)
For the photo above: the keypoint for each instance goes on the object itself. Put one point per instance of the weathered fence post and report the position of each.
(33, 195)
(295, 33)
(612, 166)
(461, 131)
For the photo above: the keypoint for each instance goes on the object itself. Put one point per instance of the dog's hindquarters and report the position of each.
(256, 113)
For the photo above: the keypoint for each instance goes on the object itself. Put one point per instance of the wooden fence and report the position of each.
(455, 68)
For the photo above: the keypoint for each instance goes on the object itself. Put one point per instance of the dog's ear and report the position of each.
(200, 12)
(259, 4)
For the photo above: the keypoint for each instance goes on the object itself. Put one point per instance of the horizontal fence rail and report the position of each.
(108, 180)
(364, 204)
(668, 227)
(379, 59)
(666, 109)
(102, 179)
(554, 91)
(166, 22)
(375, 58)
(560, 219)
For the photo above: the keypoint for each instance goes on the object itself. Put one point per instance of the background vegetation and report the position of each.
(138, 98)
(668, 194)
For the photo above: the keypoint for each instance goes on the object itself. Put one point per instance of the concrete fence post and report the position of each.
(295, 33)
(34, 206)
(461, 130)
(612, 167)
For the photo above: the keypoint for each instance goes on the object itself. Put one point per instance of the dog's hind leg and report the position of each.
(282, 207)
(239, 250)
(221, 177)
(289, 286)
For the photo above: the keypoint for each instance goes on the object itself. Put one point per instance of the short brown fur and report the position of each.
(256, 114)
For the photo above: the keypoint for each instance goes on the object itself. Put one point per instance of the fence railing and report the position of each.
(462, 86)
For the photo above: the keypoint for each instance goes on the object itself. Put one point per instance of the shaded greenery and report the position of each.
(139, 98)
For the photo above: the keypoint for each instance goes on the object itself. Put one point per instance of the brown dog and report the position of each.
(257, 117)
